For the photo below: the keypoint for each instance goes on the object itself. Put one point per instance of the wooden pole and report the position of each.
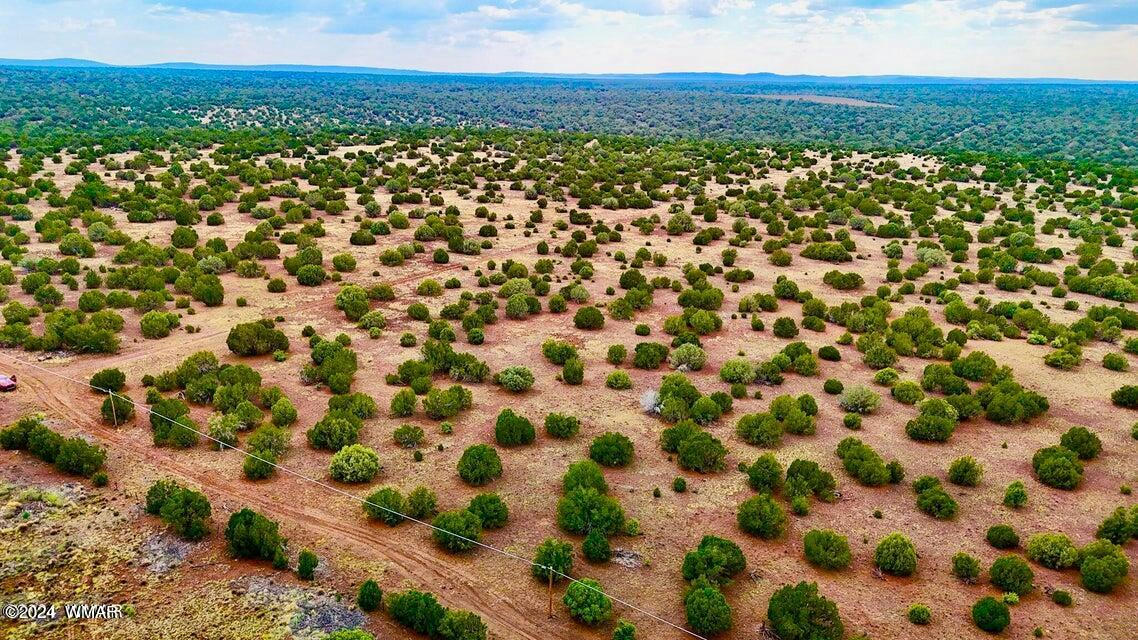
(550, 592)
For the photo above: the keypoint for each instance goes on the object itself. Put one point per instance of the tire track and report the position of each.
(405, 556)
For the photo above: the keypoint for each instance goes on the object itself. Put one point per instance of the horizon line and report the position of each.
(86, 63)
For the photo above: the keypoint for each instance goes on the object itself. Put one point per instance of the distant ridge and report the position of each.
(52, 62)
(684, 76)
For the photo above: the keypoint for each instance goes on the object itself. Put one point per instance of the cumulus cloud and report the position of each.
(1080, 38)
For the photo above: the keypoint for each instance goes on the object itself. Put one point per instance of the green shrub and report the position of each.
(516, 379)
(896, 555)
(618, 380)
(936, 502)
(965, 567)
(624, 630)
(991, 615)
(1102, 566)
(935, 423)
(707, 611)
(1058, 467)
(387, 505)
(965, 471)
(827, 549)
(799, 613)
(354, 464)
(919, 614)
(716, 560)
(765, 474)
(1052, 550)
(785, 328)
(112, 380)
(555, 554)
(1115, 362)
(1118, 527)
(256, 339)
(584, 473)
(1011, 573)
(457, 530)
(701, 452)
(370, 596)
(479, 465)
(306, 564)
(617, 354)
(648, 355)
(585, 509)
(511, 429)
(457, 624)
(562, 426)
(596, 547)
(491, 510)
(1125, 396)
(860, 400)
(588, 319)
(586, 601)
(418, 611)
(1002, 536)
(117, 410)
(252, 535)
(762, 516)
(907, 392)
(862, 462)
(1015, 496)
(1080, 440)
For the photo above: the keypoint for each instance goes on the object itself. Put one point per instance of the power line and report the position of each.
(363, 501)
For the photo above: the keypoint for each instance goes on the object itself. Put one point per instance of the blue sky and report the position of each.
(1087, 39)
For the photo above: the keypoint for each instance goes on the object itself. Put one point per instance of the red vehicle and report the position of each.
(7, 383)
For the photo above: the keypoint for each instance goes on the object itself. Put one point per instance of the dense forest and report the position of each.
(1073, 122)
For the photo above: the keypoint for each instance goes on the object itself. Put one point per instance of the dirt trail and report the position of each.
(517, 620)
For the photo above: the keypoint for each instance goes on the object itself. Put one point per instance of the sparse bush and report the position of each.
(354, 464)
(511, 429)
(555, 554)
(965, 471)
(1052, 550)
(370, 596)
(1002, 536)
(762, 516)
(517, 379)
(479, 465)
(827, 549)
(707, 611)
(587, 603)
(1080, 440)
(799, 613)
(457, 530)
(859, 399)
(562, 426)
(896, 555)
(1011, 573)
(965, 567)
(991, 615)
(611, 450)
(1102, 566)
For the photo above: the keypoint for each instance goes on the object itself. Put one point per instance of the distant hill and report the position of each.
(680, 76)
(51, 62)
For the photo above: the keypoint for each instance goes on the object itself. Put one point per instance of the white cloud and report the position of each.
(925, 37)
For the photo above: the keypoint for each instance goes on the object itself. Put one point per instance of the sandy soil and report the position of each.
(500, 589)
